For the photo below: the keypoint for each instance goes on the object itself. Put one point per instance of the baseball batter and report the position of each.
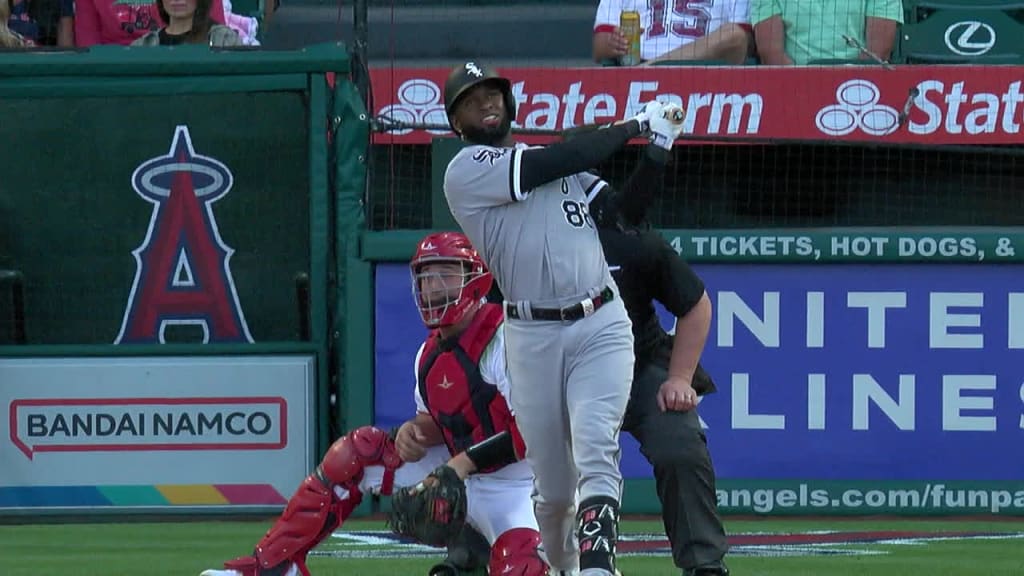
(569, 341)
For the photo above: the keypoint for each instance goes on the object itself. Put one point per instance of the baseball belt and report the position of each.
(570, 313)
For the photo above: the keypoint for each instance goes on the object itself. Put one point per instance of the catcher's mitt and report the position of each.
(433, 511)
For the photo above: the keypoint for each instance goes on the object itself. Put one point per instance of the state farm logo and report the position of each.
(970, 38)
(419, 102)
(857, 108)
(550, 105)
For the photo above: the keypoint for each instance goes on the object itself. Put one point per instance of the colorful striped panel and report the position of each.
(158, 495)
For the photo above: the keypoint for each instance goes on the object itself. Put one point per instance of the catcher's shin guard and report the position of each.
(598, 532)
(324, 500)
(515, 553)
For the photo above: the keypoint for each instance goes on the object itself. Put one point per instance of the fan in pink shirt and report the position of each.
(122, 21)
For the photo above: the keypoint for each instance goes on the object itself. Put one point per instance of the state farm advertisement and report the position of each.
(906, 104)
(162, 431)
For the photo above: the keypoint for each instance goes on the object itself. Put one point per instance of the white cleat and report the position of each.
(220, 573)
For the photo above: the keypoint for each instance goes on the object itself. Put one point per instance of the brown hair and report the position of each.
(8, 39)
(201, 20)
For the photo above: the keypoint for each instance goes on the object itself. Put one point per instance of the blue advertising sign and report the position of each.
(827, 372)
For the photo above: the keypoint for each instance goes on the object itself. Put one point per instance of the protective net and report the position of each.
(795, 117)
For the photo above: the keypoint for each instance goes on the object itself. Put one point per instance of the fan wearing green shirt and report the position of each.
(789, 32)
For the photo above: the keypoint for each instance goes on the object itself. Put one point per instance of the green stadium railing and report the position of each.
(80, 122)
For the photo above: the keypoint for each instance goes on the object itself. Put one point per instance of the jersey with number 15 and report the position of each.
(541, 244)
(669, 24)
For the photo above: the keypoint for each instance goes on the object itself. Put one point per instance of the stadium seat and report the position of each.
(951, 35)
(918, 10)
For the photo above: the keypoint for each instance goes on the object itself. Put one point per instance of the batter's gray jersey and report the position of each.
(541, 244)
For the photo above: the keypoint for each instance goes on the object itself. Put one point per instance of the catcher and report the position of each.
(462, 415)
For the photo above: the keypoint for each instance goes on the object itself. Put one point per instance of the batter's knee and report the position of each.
(516, 552)
(549, 508)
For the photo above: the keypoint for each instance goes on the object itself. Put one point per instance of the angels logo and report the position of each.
(182, 275)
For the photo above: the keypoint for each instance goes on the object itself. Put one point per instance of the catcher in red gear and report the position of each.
(459, 457)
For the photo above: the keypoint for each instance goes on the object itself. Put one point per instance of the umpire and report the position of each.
(667, 378)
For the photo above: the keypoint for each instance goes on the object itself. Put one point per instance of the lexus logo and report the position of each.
(970, 38)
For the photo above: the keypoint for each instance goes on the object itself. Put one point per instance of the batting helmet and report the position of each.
(438, 307)
(465, 76)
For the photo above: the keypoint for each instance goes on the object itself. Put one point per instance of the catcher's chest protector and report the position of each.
(467, 409)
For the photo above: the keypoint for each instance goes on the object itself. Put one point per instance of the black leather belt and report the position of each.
(570, 313)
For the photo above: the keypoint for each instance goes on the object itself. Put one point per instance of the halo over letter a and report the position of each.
(182, 274)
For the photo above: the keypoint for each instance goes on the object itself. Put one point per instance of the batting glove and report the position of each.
(667, 125)
(650, 111)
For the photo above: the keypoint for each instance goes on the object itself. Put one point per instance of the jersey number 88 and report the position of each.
(577, 214)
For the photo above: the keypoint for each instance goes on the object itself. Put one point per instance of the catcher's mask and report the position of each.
(464, 77)
(448, 278)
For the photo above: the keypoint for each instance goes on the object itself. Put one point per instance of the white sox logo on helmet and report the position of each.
(473, 69)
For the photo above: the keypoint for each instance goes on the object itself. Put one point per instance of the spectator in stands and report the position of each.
(113, 21)
(188, 22)
(673, 31)
(799, 32)
(124, 21)
(43, 22)
(8, 37)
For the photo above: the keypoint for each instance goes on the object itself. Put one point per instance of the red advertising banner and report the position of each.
(905, 104)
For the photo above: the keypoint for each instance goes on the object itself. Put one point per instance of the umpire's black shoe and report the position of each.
(444, 569)
(468, 553)
(714, 569)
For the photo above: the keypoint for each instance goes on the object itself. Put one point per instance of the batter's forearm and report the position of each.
(688, 343)
(541, 165)
(646, 182)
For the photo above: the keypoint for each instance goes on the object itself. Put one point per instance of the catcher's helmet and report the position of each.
(438, 307)
(465, 76)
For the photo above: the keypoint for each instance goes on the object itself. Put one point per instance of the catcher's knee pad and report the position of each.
(345, 460)
(597, 532)
(317, 508)
(516, 553)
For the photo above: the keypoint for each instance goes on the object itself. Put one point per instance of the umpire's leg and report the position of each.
(675, 445)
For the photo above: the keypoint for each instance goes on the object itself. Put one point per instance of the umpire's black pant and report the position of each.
(676, 447)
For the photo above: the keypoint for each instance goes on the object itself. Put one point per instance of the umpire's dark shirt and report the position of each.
(647, 268)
